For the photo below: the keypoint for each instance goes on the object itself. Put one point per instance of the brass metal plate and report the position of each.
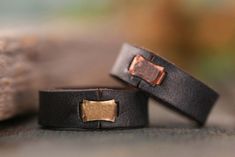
(99, 110)
(148, 71)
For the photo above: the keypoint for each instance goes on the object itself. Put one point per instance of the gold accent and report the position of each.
(99, 110)
(150, 72)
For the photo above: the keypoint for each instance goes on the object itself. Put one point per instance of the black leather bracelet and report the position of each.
(165, 82)
(98, 108)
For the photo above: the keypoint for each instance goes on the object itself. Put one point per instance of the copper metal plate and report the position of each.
(99, 110)
(148, 71)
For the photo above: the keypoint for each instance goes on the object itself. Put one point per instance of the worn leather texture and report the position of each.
(178, 91)
(60, 108)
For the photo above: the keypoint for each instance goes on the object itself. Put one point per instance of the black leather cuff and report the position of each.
(165, 82)
(98, 108)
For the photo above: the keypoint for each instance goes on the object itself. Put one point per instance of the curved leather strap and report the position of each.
(63, 108)
(165, 82)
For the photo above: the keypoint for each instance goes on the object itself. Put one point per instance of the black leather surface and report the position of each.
(179, 90)
(59, 108)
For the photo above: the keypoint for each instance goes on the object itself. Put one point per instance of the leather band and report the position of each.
(177, 90)
(61, 108)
